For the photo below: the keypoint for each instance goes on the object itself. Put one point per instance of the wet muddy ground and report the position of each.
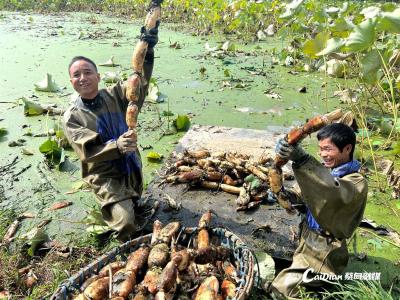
(240, 88)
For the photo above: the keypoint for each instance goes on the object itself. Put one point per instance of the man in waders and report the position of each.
(334, 194)
(96, 128)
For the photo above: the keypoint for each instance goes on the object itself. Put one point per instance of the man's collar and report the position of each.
(349, 167)
(91, 103)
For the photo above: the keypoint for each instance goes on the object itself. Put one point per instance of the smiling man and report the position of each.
(96, 128)
(334, 195)
(84, 77)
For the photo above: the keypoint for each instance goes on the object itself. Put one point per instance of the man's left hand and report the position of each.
(290, 152)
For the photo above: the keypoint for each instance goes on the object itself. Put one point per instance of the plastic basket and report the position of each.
(244, 258)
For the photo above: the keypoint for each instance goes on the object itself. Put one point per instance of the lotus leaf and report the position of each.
(110, 63)
(370, 12)
(35, 238)
(53, 153)
(266, 265)
(332, 45)
(154, 92)
(154, 156)
(96, 223)
(47, 85)
(320, 16)
(363, 133)
(94, 217)
(344, 8)
(31, 108)
(370, 65)
(332, 10)
(291, 9)
(312, 47)
(182, 123)
(98, 229)
(362, 37)
(210, 49)
(388, 7)
(341, 25)
(389, 21)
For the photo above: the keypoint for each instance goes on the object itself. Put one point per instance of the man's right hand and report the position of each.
(127, 142)
(150, 36)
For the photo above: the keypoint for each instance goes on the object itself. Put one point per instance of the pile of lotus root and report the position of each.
(230, 172)
(236, 173)
(165, 269)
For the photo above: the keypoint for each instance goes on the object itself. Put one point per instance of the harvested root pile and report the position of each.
(165, 269)
(236, 173)
(230, 172)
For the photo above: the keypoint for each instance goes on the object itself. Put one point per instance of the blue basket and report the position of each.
(243, 256)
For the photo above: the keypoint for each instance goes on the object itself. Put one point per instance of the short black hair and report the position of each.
(340, 134)
(76, 58)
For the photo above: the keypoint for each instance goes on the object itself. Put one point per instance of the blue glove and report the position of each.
(290, 152)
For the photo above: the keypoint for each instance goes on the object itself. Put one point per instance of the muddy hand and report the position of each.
(127, 142)
(290, 152)
(150, 36)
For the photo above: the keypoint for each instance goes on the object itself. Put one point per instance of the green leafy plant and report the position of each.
(53, 152)
(95, 222)
(182, 123)
(154, 156)
(34, 238)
